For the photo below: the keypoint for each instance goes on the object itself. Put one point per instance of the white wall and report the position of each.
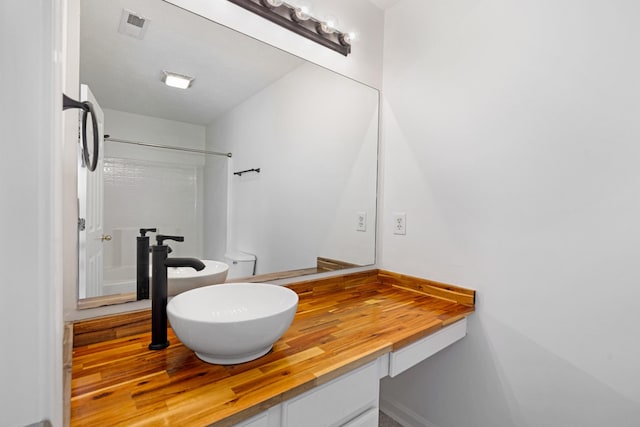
(31, 303)
(511, 140)
(153, 130)
(313, 134)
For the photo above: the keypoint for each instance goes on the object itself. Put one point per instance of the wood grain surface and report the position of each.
(341, 323)
(429, 287)
(328, 264)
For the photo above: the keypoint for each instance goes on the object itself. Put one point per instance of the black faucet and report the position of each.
(142, 264)
(160, 262)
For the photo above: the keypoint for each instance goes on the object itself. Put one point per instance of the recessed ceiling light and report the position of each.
(177, 80)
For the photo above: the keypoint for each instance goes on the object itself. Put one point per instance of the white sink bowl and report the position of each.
(182, 279)
(234, 322)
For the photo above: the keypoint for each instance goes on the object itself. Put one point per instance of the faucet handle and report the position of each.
(169, 250)
(144, 231)
(160, 238)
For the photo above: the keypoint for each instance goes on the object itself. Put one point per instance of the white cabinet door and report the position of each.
(335, 403)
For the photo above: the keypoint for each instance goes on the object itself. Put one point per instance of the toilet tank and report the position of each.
(241, 264)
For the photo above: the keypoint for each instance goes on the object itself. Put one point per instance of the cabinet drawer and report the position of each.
(260, 420)
(411, 355)
(268, 418)
(336, 402)
(368, 419)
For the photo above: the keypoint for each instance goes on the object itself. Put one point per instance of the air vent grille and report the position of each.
(135, 21)
(133, 24)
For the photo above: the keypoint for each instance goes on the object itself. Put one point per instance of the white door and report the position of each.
(91, 236)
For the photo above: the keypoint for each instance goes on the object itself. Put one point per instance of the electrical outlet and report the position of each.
(399, 223)
(361, 221)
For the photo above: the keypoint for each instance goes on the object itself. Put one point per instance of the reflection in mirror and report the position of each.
(312, 133)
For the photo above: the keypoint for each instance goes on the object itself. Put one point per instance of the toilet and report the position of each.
(241, 264)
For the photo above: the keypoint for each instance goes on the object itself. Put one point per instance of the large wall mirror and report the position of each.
(312, 133)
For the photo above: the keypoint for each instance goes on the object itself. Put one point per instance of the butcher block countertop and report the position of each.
(341, 323)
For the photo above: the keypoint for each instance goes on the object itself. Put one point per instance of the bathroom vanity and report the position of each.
(349, 332)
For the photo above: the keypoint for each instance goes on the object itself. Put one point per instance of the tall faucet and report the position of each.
(142, 264)
(160, 261)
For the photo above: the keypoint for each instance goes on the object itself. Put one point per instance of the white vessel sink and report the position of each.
(234, 322)
(182, 279)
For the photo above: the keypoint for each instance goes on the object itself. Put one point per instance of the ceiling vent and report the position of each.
(133, 24)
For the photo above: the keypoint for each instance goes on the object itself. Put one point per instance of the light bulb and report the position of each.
(299, 14)
(300, 10)
(332, 22)
(323, 28)
(345, 39)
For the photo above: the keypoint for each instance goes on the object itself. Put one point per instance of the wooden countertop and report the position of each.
(341, 323)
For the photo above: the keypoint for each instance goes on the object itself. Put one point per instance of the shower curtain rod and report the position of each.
(166, 147)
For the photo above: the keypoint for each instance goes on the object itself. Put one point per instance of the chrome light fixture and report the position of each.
(271, 3)
(298, 20)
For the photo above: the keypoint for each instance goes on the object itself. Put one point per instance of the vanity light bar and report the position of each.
(300, 22)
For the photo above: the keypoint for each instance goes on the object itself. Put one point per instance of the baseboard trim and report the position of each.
(402, 414)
